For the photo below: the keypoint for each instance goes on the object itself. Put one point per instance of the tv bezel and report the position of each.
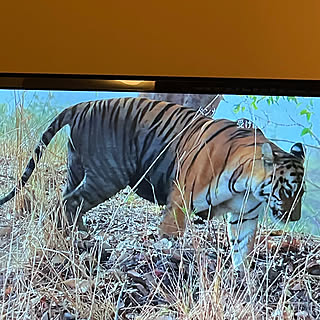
(161, 84)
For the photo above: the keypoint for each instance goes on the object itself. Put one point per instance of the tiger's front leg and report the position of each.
(173, 223)
(241, 232)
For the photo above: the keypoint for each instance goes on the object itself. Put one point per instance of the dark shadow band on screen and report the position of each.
(242, 86)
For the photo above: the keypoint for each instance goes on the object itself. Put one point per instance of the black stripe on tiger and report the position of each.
(247, 219)
(214, 135)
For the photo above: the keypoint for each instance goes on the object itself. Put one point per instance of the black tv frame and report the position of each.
(242, 86)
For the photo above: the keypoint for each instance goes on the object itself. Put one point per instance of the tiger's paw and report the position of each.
(172, 226)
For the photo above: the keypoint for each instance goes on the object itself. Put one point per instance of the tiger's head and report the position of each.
(283, 185)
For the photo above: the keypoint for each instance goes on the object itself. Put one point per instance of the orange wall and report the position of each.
(259, 39)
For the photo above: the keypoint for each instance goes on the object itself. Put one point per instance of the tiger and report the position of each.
(173, 155)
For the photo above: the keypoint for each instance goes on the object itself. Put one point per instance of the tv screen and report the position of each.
(159, 205)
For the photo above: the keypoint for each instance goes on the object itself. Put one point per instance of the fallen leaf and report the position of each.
(5, 230)
(301, 314)
(313, 268)
(137, 277)
(297, 286)
(81, 285)
(8, 290)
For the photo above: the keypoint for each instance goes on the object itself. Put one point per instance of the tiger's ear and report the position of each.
(298, 150)
(266, 152)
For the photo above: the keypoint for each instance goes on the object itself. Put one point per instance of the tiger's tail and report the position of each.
(61, 120)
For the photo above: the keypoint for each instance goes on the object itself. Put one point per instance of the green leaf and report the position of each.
(308, 116)
(262, 98)
(236, 109)
(292, 99)
(305, 131)
(254, 105)
(311, 102)
(307, 113)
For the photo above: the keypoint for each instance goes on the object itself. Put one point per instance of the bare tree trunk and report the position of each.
(207, 103)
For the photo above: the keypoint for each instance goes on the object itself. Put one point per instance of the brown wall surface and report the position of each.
(249, 39)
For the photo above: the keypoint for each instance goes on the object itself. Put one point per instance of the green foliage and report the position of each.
(292, 99)
(306, 131)
(307, 113)
(239, 108)
(253, 102)
(272, 100)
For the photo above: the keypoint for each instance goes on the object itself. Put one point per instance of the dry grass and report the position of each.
(122, 270)
(129, 273)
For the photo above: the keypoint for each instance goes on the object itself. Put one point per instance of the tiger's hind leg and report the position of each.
(89, 193)
(75, 175)
(75, 206)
